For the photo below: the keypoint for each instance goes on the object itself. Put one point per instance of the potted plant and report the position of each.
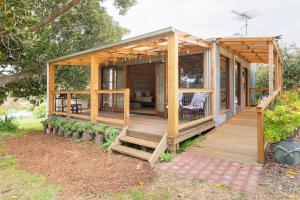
(77, 133)
(280, 127)
(68, 128)
(49, 127)
(87, 134)
(98, 130)
(45, 125)
(55, 125)
(110, 135)
(61, 123)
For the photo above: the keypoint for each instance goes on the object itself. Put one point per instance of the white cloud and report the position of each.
(212, 18)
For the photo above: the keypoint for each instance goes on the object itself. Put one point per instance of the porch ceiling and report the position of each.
(252, 49)
(147, 46)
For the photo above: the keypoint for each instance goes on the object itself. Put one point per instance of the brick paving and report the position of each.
(244, 176)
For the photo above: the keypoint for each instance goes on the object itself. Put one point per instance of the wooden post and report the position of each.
(271, 61)
(94, 87)
(212, 80)
(126, 107)
(68, 105)
(260, 135)
(51, 90)
(173, 103)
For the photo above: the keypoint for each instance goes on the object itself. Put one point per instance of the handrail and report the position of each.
(253, 90)
(121, 91)
(68, 114)
(261, 142)
(73, 92)
(264, 104)
(192, 90)
(201, 120)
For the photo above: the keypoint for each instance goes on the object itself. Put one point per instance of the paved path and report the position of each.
(191, 165)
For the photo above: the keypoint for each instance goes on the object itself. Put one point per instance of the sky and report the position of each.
(213, 18)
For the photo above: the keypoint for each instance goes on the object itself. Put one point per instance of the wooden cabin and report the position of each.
(167, 86)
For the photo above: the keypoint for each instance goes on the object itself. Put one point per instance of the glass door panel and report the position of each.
(160, 89)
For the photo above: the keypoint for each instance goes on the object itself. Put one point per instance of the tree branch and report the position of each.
(56, 13)
(5, 79)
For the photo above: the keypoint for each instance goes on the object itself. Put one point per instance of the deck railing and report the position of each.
(112, 106)
(73, 103)
(199, 115)
(268, 103)
(256, 95)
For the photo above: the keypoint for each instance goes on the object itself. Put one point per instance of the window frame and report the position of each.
(227, 67)
(237, 84)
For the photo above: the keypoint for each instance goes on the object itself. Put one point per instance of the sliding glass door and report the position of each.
(160, 89)
(113, 78)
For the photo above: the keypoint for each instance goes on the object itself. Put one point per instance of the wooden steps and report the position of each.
(143, 135)
(145, 146)
(138, 141)
(132, 152)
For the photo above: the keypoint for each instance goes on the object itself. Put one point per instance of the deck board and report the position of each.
(236, 139)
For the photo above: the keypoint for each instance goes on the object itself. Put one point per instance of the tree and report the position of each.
(24, 54)
(291, 66)
(291, 69)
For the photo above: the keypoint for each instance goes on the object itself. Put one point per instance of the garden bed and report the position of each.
(79, 168)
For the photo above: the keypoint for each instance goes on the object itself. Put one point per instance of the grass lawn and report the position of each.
(16, 183)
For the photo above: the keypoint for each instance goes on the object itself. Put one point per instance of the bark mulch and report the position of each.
(80, 168)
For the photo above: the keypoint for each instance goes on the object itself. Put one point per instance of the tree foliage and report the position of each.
(291, 69)
(24, 54)
(291, 66)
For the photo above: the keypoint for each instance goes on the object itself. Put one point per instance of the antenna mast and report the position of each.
(245, 16)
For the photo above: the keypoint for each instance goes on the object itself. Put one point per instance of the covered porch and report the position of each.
(112, 97)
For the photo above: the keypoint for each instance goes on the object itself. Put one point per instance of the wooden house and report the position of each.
(167, 86)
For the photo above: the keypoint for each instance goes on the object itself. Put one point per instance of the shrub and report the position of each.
(54, 122)
(280, 123)
(40, 111)
(166, 157)
(69, 125)
(110, 135)
(61, 123)
(98, 128)
(74, 127)
(7, 124)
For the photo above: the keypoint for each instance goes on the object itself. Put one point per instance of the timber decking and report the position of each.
(236, 139)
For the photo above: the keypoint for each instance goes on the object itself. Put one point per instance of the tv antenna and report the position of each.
(245, 17)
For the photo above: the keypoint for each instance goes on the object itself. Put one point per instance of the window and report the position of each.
(224, 83)
(237, 75)
(191, 71)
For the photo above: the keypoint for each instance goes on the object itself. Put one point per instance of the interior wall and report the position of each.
(140, 72)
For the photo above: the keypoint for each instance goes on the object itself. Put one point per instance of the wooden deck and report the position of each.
(235, 140)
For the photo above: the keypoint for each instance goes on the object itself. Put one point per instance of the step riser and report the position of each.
(132, 152)
(138, 141)
(144, 136)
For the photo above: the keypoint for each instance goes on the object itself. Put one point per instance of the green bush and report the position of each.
(110, 135)
(166, 157)
(40, 111)
(98, 128)
(280, 123)
(7, 124)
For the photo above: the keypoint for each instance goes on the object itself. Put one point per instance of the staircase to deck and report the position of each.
(143, 145)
